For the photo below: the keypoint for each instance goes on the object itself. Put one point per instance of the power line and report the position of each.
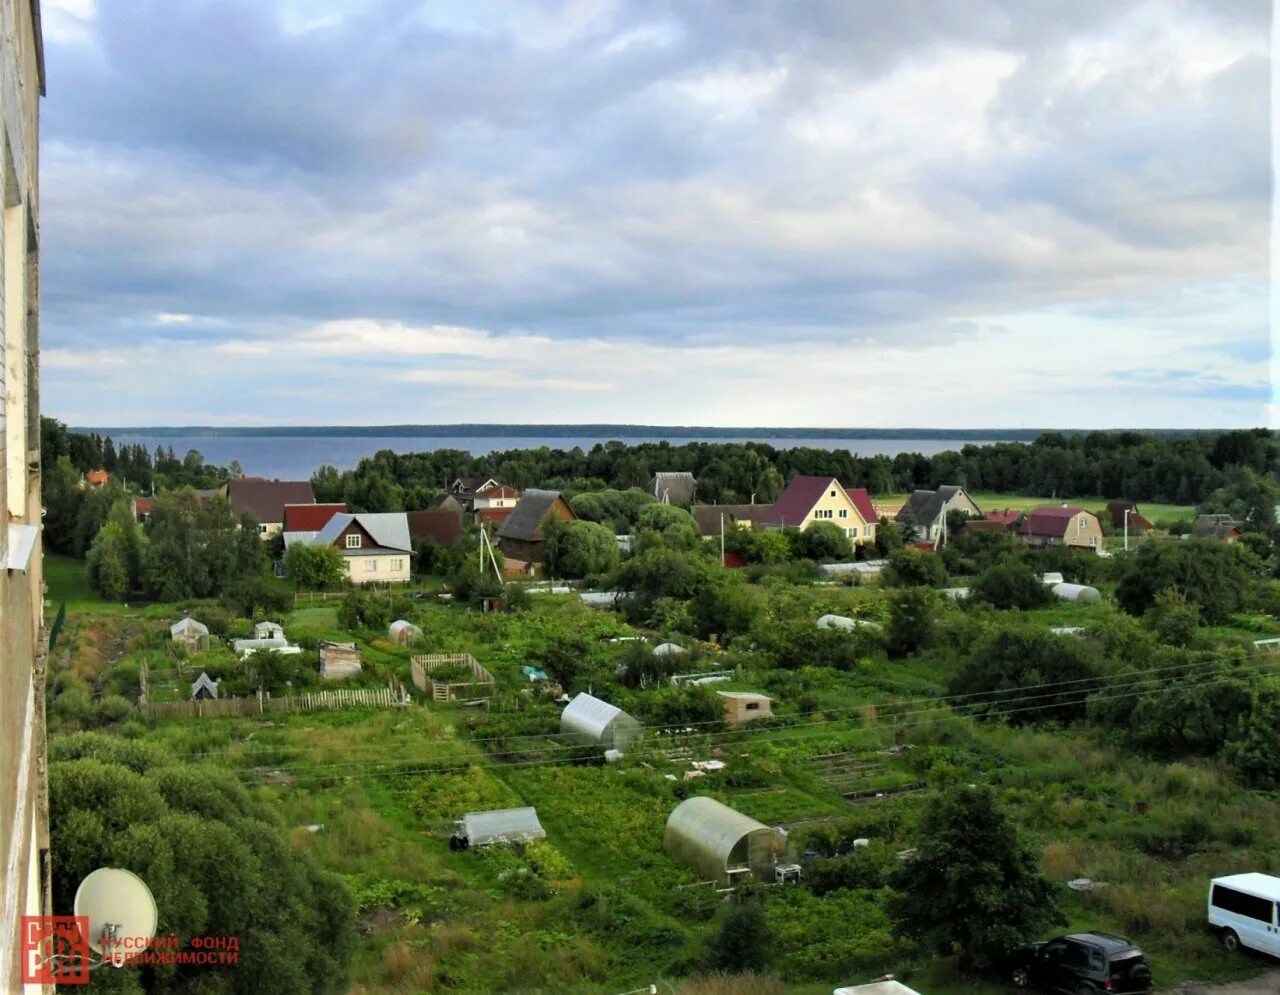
(804, 733)
(677, 728)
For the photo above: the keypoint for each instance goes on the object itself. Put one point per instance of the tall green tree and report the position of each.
(911, 620)
(972, 887)
(1213, 576)
(579, 549)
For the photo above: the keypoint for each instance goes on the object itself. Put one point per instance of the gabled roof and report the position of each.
(678, 486)
(188, 624)
(265, 499)
(469, 485)
(1051, 520)
(923, 508)
(525, 520)
(441, 525)
(142, 506)
(1006, 517)
(204, 681)
(444, 502)
(862, 501)
(388, 529)
(799, 498)
(707, 516)
(501, 491)
(310, 517)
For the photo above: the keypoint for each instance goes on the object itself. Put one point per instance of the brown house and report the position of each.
(745, 516)
(1061, 526)
(1115, 515)
(439, 525)
(264, 500)
(520, 535)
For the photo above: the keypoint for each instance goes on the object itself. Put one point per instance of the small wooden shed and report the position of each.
(745, 706)
(190, 635)
(338, 661)
(268, 630)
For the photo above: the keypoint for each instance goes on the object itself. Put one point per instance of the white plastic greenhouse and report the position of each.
(403, 632)
(722, 844)
(1077, 592)
(593, 722)
(842, 622)
(506, 825)
(669, 649)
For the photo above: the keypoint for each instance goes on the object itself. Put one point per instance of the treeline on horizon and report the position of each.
(609, 430)
(1141, 466)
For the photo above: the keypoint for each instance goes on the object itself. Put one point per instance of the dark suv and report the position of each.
(1083, 964)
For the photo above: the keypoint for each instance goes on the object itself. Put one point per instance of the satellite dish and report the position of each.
(121, 910)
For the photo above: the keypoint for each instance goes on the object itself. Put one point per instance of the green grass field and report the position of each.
(989, 501)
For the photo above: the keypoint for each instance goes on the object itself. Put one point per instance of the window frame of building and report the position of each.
(371, 565)
(353, 540)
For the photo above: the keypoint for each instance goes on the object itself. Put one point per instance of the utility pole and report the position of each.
(722, 538)
(1126, 529)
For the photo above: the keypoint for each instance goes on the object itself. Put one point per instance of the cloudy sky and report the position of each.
(990, 213)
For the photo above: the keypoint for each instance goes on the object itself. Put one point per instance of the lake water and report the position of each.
(296, 457)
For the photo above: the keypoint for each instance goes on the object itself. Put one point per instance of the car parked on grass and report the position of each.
(1244, 910)
(1090, 963)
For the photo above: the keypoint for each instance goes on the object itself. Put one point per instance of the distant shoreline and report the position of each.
(619, 432)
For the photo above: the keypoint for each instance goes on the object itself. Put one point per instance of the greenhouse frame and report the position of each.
(593, 722)
(721, 844)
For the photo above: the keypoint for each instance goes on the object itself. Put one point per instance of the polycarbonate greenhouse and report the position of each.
(509, 825)
(1077, 592)
(721, 844)
(593, 722)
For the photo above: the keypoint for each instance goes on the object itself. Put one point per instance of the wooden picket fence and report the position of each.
(422, 665)
(391, 696)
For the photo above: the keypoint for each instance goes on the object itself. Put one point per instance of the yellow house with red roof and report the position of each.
(824, 499)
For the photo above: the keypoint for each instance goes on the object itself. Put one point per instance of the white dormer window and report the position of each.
(353, 541)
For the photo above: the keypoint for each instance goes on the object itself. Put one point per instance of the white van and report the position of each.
(1242, 910)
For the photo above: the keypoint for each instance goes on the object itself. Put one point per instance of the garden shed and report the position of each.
(505, 825)
(744, 706)
(268, 630)
(593, 722)
(339, 661)
(1078, 593)
(190, 635)
(403, 632)
(722, 844)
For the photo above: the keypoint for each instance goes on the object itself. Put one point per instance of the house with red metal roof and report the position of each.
(1064, 525)
(310, 517)
(823, 499)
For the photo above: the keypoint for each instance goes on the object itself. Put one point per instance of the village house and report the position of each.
(824, 499)
(1221, 527)
(499, 496)
(376, 546)
(464, 489)
(1066, 525)
(520, 536)
(735, 516)
(924, 516)
(491, 519)
(310, 517)
(443, 526)
(675, 487)
(97, 478)
(265, 500)
(1115, 514)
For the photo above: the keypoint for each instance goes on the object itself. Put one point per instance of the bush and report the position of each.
(1011, 583)
(740, 942)
(914, 568)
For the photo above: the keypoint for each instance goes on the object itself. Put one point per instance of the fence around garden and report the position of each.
(425, 664)
(391, 696)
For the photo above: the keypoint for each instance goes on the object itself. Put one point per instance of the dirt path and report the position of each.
(1267, 983)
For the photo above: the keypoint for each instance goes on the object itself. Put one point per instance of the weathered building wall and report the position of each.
(24, 838)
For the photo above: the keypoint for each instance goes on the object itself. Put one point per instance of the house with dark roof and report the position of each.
(740, 516)
(491, 518)
(823, 499)
(924, 516)
(1224, 528)
(464, 489)
(1061, 525)
(442, 526)
(310, 517)
(264, 500)
(673, 487)
(1115, 514)
(376, 547)
(520, 536)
